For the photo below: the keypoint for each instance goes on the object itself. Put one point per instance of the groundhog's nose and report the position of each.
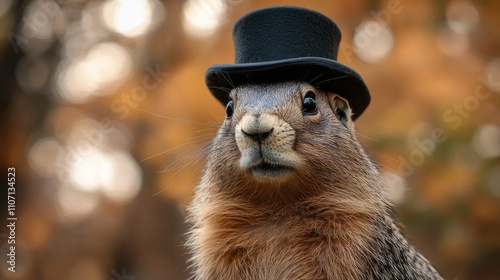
(258, 135)
(257, 127)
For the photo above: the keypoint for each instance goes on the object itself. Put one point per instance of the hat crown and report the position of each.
(279, 33)
(284, 44)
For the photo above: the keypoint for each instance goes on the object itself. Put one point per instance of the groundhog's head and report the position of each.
(287, 134)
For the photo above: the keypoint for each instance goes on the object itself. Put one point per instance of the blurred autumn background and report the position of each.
(106, 117)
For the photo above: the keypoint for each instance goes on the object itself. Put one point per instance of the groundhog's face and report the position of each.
(285, 130)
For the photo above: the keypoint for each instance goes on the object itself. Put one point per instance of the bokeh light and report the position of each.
(419, 133)
(37, 32)
(492, 74)
(115, 174)
(86, 171)
(76, 204)
(43, 154)
(93, 161)
(86, 77)
(462, 16)
(120, 177)
(372, 41)
(451, 42)
(129, 18)
(202, 18)
(84, 134)
(486, 141)
(396, 186)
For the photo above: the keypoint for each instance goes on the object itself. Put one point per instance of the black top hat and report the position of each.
(281, 44)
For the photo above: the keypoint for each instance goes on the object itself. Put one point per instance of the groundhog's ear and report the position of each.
(341, 108)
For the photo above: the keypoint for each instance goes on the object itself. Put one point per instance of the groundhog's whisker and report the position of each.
(191, 162)
(182, 156)
(331, 79)
(228, 90)
(380, 153)
(178, 169)
(228, 79)
(311, 81)
(373, 150)
(386, 167)
(178, 120)
(208, 137)
(213, 119)
(198, 152)
(207, 129)
(366, 137)
(304, 74)
(198, 155)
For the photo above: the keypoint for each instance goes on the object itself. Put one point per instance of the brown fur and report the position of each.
(324, 221)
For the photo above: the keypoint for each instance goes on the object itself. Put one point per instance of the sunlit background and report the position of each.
(105, 115)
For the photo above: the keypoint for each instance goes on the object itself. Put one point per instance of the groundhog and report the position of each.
(289, 193)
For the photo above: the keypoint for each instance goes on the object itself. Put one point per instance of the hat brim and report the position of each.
(322, 73)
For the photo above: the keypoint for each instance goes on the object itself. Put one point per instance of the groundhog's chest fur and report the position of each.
(304, 246)
(305, 243)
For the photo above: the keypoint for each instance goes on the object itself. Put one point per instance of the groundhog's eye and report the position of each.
(229, 108)
(309, 104)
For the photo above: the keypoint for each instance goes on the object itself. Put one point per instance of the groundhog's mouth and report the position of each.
(267, 170)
